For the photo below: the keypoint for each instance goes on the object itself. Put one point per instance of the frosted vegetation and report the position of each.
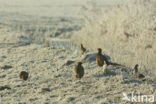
(126, 32)
(43, 37)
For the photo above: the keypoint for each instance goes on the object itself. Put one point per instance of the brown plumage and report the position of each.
(137, 75)
(79, 70)
(101, 58)
(23, 75)
(82, 49)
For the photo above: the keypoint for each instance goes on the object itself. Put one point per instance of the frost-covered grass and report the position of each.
(44, 45)
(126, 32)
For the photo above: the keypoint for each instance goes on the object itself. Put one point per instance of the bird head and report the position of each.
(79, 63)
(136, 68)
(136, 65)
(99, 50)
(81, 45)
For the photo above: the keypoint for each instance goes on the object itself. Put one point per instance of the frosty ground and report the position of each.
(47, 46)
